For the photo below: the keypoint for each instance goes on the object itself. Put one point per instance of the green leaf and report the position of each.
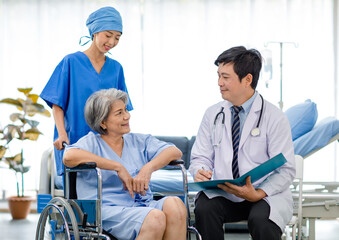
(33, 97)
(12, 101)
(46, 113)
(2, 151)
(32, 134)
(34, 108)
(15, 159)
(21, 169)
(25, 90)
(32, 123)
(15, 116)
(12, 130)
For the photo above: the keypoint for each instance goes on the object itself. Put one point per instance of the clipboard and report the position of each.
(256, 173)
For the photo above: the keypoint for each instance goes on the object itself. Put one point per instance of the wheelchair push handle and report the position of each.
(64, 144)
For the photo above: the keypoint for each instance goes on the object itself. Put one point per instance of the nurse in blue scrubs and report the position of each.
(79, 75)
(127, 161)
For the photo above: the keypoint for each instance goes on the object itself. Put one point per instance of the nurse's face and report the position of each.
(117, 122)
(106, 40)
(231, 88)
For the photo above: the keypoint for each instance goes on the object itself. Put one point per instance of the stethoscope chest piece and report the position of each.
(255, 132)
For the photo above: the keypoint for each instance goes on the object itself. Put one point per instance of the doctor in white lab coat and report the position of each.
(267, 204)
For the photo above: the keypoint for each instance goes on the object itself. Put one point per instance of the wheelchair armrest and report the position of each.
(82, 166)
(176, 162)
(88, 165)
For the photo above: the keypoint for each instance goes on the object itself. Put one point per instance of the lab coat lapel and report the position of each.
(250, 121)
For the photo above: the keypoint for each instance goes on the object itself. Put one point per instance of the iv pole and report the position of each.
(281, 104)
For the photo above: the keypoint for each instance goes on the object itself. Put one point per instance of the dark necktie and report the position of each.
(235, 141)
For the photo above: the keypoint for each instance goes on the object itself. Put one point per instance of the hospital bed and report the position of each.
(320, 199)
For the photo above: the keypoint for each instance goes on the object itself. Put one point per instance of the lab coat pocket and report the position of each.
(256, 149)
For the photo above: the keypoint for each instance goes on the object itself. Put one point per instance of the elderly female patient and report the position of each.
(127, 160)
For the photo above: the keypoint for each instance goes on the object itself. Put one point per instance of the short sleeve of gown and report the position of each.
(154, 146)
(89, 142)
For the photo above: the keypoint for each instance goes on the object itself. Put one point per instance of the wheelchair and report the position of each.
(70, 218)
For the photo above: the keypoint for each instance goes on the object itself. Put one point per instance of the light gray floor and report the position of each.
(17, 229)
(25, 229)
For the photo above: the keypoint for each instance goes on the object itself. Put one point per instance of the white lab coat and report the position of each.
(275, 137)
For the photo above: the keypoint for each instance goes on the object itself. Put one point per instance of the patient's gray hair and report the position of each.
(99, 105)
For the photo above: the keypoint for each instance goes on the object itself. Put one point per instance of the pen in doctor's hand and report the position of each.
(208, 175)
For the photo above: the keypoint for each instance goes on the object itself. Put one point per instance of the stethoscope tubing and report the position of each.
(222, 119)
(257, 132)
(261, 110)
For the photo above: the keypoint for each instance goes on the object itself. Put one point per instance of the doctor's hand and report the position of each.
(141, 181)
(202, 175)
(247, 192)
(126, 179)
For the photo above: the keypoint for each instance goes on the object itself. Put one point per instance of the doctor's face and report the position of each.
(117, 122)
(231, 88)
(106, 40)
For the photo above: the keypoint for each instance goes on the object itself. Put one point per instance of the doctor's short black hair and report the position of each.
(245, 61)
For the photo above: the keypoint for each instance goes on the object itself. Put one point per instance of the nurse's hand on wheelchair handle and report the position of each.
(59, 143)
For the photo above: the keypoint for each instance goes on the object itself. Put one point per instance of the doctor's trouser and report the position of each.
(211, 214)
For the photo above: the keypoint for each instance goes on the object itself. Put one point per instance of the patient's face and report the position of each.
(117, 122)
(231, 88)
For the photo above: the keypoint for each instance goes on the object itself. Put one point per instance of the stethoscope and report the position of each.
(254, 132)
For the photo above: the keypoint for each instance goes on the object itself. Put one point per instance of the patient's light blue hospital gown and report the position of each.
(122, 216)
(72, 82)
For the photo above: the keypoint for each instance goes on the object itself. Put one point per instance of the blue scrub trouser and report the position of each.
(211, 214)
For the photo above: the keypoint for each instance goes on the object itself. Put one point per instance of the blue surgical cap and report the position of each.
(104, 19)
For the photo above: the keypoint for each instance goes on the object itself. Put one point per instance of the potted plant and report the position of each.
(22, 127)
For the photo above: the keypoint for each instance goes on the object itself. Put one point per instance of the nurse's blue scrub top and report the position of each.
(72, 82)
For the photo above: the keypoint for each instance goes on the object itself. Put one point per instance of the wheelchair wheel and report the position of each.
(57, 221)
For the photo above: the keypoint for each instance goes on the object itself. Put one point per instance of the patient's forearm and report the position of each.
(164, 158)
(73, 157)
